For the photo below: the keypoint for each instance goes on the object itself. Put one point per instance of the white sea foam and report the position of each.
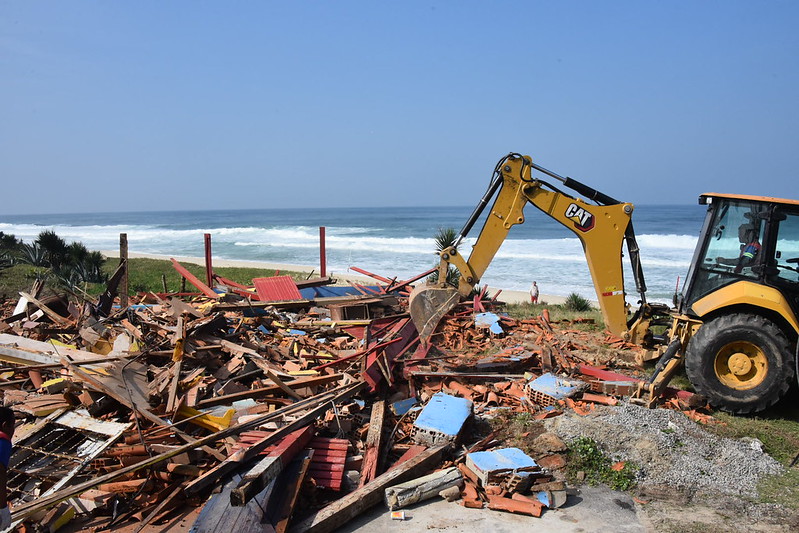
(558, 264)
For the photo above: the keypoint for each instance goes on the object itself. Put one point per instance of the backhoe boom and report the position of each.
(601, 229)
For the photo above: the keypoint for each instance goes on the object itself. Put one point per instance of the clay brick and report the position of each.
(498, 503)
(552, 462)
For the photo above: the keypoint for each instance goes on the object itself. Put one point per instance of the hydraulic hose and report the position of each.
(493, 187)
(670, 352)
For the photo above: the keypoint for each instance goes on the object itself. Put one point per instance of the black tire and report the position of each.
(738, 388)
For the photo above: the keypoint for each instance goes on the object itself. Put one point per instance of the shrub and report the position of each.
(585, 456)
(575, 302)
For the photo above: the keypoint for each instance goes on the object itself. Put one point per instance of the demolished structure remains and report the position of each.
(285, 406)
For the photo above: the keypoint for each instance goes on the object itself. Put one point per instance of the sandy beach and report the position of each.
(342, 278)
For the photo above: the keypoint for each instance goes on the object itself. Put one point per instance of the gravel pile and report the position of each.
(671, 450)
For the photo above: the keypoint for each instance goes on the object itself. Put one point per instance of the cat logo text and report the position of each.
(583, 220)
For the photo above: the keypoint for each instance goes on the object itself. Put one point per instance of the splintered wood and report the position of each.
(279, 403)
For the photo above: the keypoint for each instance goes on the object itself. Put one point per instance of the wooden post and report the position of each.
(423, 488)
(322, 253)
(123, 258)
(209, 270)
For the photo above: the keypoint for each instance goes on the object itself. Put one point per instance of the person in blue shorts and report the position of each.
(6, 432)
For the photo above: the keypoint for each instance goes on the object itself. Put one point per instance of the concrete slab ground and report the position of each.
(589, 509)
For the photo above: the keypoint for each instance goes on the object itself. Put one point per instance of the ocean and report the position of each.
(390, 241)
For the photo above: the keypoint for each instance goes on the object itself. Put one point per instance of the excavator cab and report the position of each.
(740, 302)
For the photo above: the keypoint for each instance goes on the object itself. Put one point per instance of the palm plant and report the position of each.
(8, 242)
(76, 253)
(93, 268)
(55, 248)
(446, 238)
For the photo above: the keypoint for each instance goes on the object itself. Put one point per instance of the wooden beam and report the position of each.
(267, 391)
(341, 511)
(209, 269)
(374, 441)
(270, 466)
(205, 289)
(123, 260)
(423, 488)
(292, 491)
(52, 315)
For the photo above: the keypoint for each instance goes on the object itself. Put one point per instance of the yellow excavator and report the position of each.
(734, 326)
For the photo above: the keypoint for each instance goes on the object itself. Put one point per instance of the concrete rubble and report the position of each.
(282, 406)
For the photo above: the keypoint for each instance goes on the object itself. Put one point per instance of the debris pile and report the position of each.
(675, 455)
(298, 404)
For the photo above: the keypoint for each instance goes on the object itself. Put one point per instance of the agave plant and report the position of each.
(68, 277)
(6, 260)
(575, 302)
(446, 238)
(33, 254)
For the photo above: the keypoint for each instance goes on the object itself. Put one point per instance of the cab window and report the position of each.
(786, 251)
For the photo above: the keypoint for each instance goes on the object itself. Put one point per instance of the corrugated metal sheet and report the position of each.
(276, 289)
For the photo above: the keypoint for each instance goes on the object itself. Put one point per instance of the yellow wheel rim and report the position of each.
(741, 365)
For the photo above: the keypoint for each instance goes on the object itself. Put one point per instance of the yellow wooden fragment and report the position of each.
(207, 421)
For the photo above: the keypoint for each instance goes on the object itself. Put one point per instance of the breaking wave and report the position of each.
(390, 246)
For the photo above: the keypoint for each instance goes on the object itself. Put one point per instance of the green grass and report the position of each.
(778, 430)
(558, 313)
(143, 275)
(17, 278)
(782, 490)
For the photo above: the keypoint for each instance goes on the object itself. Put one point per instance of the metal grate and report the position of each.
(55, 453)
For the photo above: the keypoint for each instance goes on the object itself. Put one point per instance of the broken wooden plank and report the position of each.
(292, 490)
(270, 466)
(205, 289)
(22, 350)
(52, 315)
(374, 440)
(285, 388)
(341, 511)
(423, 488)
(268, 391)
(28, 508)
(317, 407)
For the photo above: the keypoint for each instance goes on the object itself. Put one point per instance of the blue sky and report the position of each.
(221, 105)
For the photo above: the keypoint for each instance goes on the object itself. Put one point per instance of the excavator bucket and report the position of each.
(427, 305)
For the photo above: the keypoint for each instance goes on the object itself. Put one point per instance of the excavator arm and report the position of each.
(602, 229)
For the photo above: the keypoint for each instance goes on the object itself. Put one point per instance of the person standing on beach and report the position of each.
(534, 293)
(6, 432)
